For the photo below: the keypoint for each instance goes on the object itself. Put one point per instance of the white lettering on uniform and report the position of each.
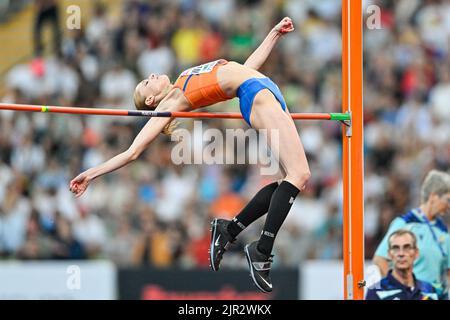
(204, 68)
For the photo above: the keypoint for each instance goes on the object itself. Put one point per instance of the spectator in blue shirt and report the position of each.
(433, 240)
(400, 282)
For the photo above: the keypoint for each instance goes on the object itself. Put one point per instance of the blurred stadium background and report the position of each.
(143, 231)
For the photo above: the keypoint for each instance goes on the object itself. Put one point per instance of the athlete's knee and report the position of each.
(299, 179)
(304, 178)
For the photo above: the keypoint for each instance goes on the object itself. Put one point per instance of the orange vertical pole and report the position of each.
(353, 161)
(345, 158)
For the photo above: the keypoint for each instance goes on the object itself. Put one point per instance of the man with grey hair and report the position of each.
(401, 283)
(433, 240)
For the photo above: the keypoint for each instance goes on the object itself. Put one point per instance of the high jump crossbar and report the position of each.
(344, 117)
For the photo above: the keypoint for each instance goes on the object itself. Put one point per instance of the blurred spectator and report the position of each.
(115, 86)
(176, 181)
(46, 11)
(327, 237)
(187, 39)
(89, 229)
(37, 245)
(120, 241)
(199, 247)
(433, 240)
(227, 202)
(212, 43)
(15, 210)
(28, 157)
(400, 282)
(66, 247)
(217, 11)
(153, 246)
(159, 60)
(98, 25)
(440, 95)
(242, 39)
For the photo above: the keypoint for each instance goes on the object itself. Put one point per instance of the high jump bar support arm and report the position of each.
(343, 117)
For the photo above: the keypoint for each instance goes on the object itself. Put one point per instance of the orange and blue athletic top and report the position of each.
(199, 84)
(200, 87)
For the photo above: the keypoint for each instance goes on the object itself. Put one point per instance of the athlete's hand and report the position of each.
(79, 184)
(284, 26)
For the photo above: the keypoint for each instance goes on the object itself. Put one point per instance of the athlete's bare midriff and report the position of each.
(231, 75)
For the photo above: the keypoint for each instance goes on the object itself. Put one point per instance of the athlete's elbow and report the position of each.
(133, 154)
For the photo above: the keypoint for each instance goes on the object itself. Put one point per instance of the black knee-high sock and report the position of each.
(256, 208)
(280, 204)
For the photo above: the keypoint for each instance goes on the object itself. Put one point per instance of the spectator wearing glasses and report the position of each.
(400, 282)
(425, 221)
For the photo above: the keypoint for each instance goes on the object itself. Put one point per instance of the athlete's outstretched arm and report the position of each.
(259, 56)
(145, 137)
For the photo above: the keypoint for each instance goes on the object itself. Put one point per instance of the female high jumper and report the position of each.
(263, 107)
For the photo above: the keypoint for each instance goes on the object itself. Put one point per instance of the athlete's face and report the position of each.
(153, 85)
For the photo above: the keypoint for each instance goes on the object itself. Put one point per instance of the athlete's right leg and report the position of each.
(286, 145)
(268, 114)
(224, 232)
